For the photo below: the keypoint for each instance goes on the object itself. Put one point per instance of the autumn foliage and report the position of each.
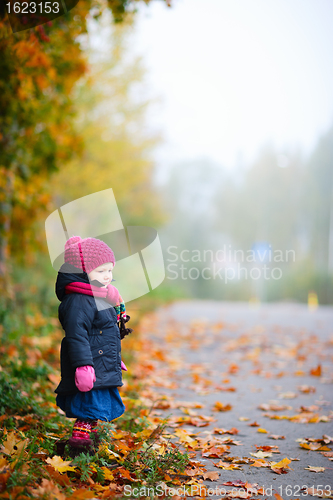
(40, 69)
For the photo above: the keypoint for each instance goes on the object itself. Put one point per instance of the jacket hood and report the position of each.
(68, 274)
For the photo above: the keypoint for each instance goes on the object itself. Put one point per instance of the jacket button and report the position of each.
(100, 331)
(100, 351)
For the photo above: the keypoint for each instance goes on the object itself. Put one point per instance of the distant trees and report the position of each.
(285, 200)
(318, 203)
(266, 205)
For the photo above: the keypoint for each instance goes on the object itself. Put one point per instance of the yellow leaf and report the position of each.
(3, 463)
(107, 474)
(59, 464)
(282, 464)
(113, 454)
(13, 446)
(184, 436)
(119, 435)
(8, 446)
(263, 431)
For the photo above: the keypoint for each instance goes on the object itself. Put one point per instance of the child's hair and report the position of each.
(87, 253)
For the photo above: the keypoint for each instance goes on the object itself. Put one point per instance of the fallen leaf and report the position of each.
(212, 476)
(108, 476)
(61, 479)
(282, 464)
(263, 431)
(59, 464)
(49, 490)
(227, 466)
(314, 469)
(254, 424)
(274, 407)
(287, 395)
(314, 447)
(81, 494)
(218, 406)
(319, 493)
(215, 451)
(13, 445)
(3, 463)
(232, 431)
(122, 472)
(260, 463)
(4, 476)
(273, 449)
(316, 372)
(184, 437)
(306, 389)
(280, 467)
(238, 483)
(261, 454)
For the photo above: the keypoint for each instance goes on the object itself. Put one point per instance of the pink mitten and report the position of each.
(85, 378)
(123, 366)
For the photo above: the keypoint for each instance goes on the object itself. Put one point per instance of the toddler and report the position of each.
(91, 366)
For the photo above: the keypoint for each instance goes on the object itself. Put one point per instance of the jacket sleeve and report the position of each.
(76, 320)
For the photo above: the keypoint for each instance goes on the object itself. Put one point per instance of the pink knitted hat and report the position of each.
(88, 253)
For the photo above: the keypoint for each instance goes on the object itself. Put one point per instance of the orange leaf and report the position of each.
(316, 372)
(81, 494)
(212, 476)
(215, 451)
(260, 463)
(221, 407)
(48, 490)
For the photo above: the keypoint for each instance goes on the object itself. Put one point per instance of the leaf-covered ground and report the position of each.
(221, 401)
(248, 392)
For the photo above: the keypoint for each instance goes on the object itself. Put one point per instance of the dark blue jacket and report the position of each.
(92, 335)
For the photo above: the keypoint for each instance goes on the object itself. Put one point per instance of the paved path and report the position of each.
(266, 354)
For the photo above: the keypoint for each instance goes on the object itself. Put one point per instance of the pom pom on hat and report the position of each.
(88, 253)
(72, 241)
